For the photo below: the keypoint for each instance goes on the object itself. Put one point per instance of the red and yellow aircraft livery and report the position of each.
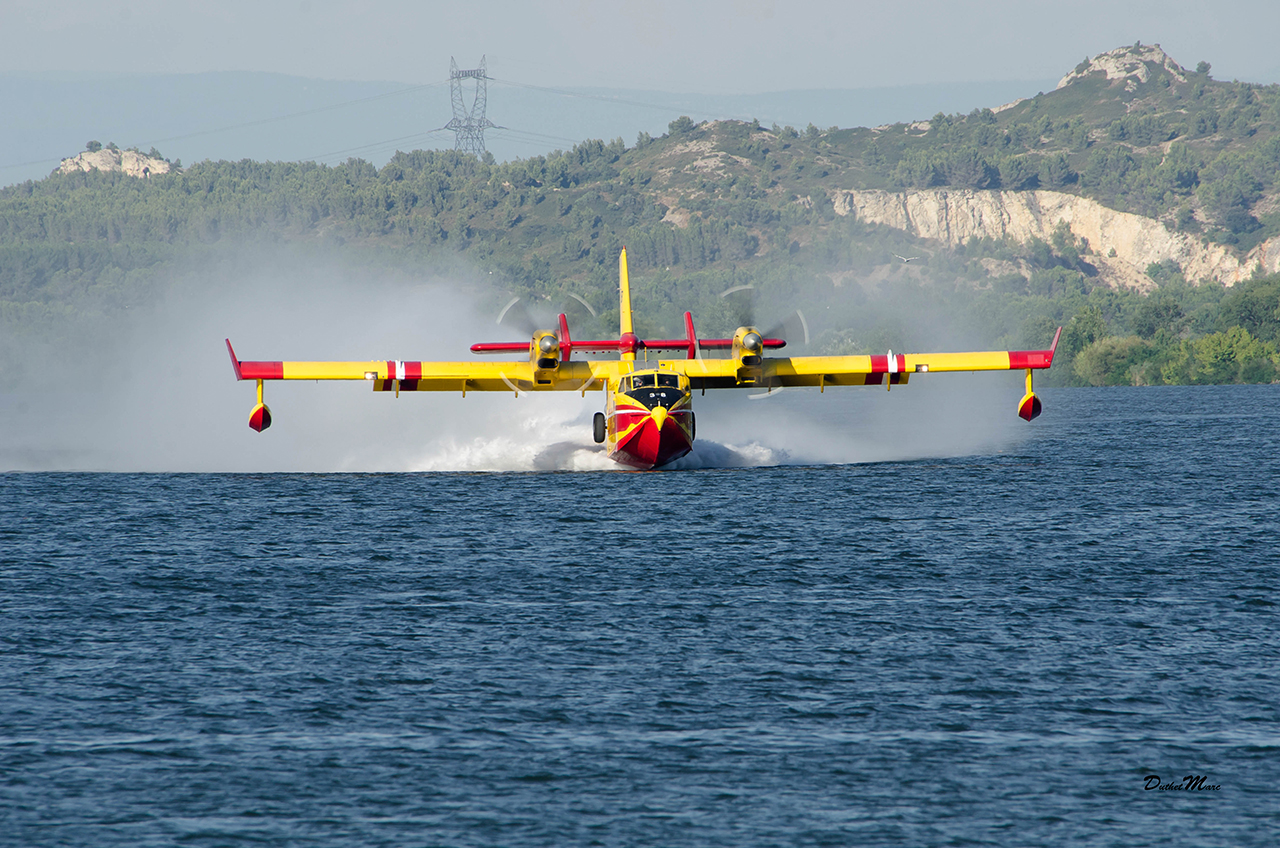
(648, 419)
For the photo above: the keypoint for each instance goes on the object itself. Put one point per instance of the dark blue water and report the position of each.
(994, 650)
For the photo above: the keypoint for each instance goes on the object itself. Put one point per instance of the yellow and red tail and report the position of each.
(627, 341)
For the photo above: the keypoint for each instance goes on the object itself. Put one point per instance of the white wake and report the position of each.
(551, 442)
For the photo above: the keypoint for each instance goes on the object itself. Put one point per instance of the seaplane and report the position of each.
(648, 419)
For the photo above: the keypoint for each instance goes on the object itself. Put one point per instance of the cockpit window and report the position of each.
(660, 389)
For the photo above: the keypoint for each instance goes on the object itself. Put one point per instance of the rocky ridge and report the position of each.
(1121, 244)
(129, 162)
(1127, 63)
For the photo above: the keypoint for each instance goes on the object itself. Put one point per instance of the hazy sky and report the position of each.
(716, 46)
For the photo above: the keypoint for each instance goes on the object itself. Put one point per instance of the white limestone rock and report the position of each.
(1128, 63)
(130, 162)
(954, 216)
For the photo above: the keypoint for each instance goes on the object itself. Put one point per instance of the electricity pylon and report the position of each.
(468, 125)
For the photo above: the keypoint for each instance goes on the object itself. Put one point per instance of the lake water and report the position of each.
(995, 649)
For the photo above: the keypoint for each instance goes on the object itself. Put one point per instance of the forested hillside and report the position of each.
(708, 207)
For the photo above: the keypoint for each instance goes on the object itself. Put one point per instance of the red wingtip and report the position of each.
(235, 363)
(1053, 347)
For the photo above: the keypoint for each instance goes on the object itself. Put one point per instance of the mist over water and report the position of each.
(156, 391)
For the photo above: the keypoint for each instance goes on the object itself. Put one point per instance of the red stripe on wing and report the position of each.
(1030, 359)
(1035, 358)
(262, 370)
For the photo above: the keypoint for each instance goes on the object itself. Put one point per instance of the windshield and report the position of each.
(661, 389)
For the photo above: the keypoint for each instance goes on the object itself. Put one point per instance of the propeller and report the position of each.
(517, 316)
(793, 327)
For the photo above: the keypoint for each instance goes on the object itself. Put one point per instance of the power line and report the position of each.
(468, 124)
(376, 144)
(261, 121)
(303, 113)
(519, 136)
(692, 113)
(603, 99)
(536, 135)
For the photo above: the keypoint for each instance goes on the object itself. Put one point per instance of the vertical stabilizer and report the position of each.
(626, 332)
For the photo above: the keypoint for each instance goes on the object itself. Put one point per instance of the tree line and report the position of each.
(702, 210)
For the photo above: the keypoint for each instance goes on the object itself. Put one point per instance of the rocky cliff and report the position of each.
(1127, 63)
(1122, 244)
(131, 162)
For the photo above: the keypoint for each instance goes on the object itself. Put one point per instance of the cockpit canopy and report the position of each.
(649, 380)
(655, 388)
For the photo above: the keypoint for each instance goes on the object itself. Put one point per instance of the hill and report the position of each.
(273, 117)
(1134, 174)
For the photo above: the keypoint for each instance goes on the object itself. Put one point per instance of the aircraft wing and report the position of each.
(822, 371)
(389, 375)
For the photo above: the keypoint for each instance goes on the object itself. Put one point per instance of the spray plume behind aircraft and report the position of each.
(155, 393)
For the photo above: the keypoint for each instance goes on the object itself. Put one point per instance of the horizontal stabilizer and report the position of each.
(500, 347)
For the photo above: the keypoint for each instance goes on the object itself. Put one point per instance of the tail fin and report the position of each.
(566, 343)
(625, 328)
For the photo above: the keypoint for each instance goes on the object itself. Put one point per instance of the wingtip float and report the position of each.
(648, 419)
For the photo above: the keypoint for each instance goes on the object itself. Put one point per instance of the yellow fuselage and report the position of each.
(649, 418)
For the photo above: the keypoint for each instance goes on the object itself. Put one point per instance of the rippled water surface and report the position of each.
(989, 650)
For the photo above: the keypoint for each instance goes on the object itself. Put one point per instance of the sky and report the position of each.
(713, 46)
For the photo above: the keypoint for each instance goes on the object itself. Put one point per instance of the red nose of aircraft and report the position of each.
(660, 436)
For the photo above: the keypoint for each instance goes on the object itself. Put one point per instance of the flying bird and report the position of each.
(906, 258)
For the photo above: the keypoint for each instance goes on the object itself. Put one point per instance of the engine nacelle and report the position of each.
(748, 349)
(748, 346)
(544, 352)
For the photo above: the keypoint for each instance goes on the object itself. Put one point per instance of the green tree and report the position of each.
(680, 125)
(1019, 172)
(965, 167)
(1255, 306)
(1055, 171)
(1159, 313)
(1217, 358)
(1111, 361)
(916, 169)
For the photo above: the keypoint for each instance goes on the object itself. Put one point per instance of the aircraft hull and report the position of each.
(645, 443)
